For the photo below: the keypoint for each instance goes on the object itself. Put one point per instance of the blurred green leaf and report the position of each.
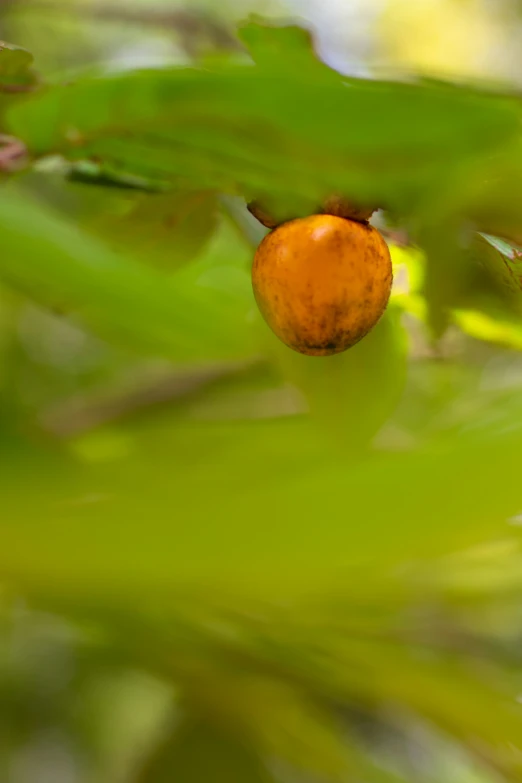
(459, 699)
(167, 230)
(494, 194)
(446, 275)
(200, 752)
(15, 68)
(279, 48)
(254, 508)
(351, 394)
(90, 173)
(504, 262)
(59, 266)
(249, 129)
(484, 326)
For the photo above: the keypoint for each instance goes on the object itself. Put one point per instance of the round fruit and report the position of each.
(322, 282)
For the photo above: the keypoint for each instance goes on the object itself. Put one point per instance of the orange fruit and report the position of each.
(322, 282)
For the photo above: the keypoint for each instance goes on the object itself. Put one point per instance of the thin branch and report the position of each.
(84, 412)
(192, 24)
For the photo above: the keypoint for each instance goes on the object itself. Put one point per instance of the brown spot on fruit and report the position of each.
(322, 282)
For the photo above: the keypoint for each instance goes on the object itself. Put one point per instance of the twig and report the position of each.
(85, 412)
(192, 24)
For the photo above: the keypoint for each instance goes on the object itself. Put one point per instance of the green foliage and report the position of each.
(199, 753)
(72, 272)
(258, 129)
(168, 229)
(15, 68)
(315, 561)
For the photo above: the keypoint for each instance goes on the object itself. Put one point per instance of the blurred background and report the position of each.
(456, 39)
(219, 560)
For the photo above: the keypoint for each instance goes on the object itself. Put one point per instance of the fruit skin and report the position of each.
(322, 282)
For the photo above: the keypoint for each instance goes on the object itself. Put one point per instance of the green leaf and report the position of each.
(15, 68)
(283, 48)
(351, 394)
(445, 690)
(247, 129)
(447, 274)
(91, 173)
(199, 752)
(483, 326)
(167, 230)
(188, 316)
(494, 193)
(267, 510)
(505, 264)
